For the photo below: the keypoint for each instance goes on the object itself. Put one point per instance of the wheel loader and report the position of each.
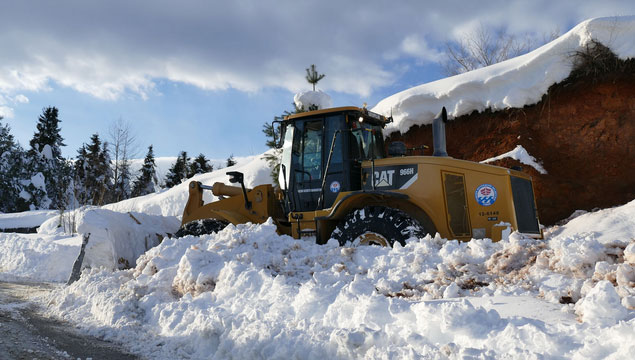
(339, 180)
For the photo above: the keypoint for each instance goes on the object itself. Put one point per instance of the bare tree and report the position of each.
(483, 47)
(123, 147)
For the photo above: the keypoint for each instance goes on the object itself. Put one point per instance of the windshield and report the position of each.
(368, 141)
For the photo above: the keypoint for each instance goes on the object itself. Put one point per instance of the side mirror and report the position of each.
(278, 136)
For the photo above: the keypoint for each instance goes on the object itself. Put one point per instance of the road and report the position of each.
(26, 334)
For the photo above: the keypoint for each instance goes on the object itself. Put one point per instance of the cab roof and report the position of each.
(364, 111)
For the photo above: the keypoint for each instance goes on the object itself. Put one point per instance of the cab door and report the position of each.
(308, 159)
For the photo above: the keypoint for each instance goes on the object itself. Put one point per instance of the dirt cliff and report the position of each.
(582, 131)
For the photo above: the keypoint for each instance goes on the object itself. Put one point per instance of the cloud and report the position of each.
(21, 99)
(111, 48)
(415, 46)
(6, 112)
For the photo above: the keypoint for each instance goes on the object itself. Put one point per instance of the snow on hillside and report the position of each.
(513, 83)
(171, 202)
(163, 165)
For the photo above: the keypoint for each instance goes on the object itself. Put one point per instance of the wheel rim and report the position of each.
(371, 238)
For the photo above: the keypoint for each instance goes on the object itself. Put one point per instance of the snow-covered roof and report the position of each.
(510, 84)
(317, 98)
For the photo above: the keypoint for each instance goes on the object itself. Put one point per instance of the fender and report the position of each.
(348, 202)
(358, 199)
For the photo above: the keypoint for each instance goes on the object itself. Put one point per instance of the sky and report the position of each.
(204, 76)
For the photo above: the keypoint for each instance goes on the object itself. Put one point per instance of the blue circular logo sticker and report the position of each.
(485, 194)
(335, 186)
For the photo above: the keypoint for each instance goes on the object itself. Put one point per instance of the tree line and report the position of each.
(40, 178)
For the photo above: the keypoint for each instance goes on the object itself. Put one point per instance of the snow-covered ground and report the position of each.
(248, 292)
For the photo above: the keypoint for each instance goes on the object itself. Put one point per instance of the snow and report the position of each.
(513, 83)
(306, 99)
(602, 305)
(248, 292)
(26, 219)
(520, 154)
(47, 152)
(37, 257)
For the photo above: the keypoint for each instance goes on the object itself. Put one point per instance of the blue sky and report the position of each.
(204, 76)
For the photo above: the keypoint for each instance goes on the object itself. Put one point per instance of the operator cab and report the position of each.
(322, 153)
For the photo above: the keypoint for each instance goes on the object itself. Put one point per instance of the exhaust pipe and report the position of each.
(438, 134)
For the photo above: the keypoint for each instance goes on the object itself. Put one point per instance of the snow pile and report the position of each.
(172, 201)
(312, 99)
(602, 305)
(116, 239)
(520, 154)
(247, 292)
(37, 257)
(27, 219)
(513, 83)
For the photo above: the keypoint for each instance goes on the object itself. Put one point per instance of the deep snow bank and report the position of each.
(116, 239)
(247, 292)
(26, 219)
(37, 257)
(513, 83)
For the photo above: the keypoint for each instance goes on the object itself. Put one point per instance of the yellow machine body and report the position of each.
(459, 199)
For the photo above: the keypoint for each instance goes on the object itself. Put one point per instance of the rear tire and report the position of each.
(377, 225)
(201, 227)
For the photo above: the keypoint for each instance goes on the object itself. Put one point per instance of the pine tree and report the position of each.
(122, 184)
(147, 180)
(48, 133)
(273, 157)
(178, 172)
(97, 175)
(106, 175)
(11, 172)
(271, 133)
(45, 157)
(231, 161)
(80, 168)
(313, 77)
(200, 165)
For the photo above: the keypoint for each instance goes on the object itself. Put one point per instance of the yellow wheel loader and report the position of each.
(338, 181)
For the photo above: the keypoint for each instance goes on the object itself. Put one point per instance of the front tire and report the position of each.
(377, 225)
(201, 227)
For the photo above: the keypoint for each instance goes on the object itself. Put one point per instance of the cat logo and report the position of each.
(384, 178)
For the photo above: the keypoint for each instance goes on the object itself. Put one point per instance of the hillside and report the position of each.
(582, 133)
(569, 104)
